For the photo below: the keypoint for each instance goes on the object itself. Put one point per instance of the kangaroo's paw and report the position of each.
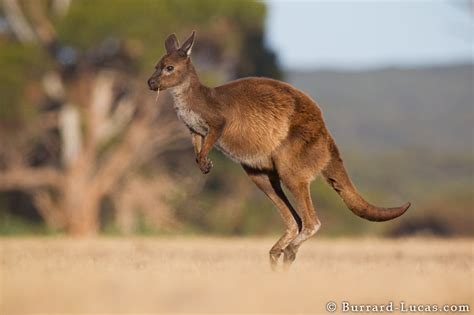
(205, 166)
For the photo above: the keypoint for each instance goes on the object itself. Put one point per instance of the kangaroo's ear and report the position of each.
(188, 44)
(171, 43)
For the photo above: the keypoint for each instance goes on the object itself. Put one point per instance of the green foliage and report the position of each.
(146, 23)
(256, 59)
(21, 67)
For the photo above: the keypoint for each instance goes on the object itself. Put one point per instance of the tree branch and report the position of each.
(29, 177)
(48, 209)
(43, 26)
(17, 21)
(131, 147)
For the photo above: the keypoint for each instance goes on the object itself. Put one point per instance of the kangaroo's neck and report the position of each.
(190, 102)
(189, 91)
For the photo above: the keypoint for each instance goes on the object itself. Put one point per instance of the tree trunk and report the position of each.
(81, 207)
(80, 200)
(85, 221)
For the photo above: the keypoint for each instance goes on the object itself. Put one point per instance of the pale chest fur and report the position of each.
(192, 119)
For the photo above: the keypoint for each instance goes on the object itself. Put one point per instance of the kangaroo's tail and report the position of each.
(336, 175)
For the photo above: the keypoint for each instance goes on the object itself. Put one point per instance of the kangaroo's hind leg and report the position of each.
(310, 222)
(269, 183)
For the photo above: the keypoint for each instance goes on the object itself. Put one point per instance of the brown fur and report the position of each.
(274, 130)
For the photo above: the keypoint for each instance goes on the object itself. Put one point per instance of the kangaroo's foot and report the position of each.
(274, 256)
(289, 255)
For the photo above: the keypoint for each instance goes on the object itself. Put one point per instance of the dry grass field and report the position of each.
(209, 275)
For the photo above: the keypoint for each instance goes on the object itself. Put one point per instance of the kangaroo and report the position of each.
(275, 131)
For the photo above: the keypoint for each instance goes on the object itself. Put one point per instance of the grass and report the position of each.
(226, 275)
(15, 225)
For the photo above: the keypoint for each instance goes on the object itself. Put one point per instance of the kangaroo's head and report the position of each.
(174, 67)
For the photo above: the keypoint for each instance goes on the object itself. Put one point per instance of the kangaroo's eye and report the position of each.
(169, 68)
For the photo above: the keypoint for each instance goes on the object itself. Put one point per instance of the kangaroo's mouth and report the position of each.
(153, 84)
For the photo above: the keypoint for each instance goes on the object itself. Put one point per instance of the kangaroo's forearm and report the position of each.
(203, 146)
(197, 143)
(208, 142)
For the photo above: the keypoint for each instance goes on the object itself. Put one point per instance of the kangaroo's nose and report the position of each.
(152, 83)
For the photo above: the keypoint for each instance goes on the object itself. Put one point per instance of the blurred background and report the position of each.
(84, 149)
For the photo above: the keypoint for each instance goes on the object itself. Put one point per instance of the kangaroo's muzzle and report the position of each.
(153, 84)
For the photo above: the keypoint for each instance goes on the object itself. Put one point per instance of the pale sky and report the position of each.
(369, 34)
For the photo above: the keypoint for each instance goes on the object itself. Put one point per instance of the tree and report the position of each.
(90, 106)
